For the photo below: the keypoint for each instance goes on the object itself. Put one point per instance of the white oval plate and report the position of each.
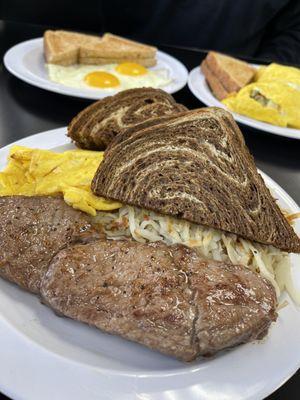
(51, 358)
(26, 61)
(198, 86)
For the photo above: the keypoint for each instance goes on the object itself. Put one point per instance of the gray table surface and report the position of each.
(25, 110)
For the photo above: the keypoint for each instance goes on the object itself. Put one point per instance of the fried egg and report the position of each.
(32, 172)
(110, 77)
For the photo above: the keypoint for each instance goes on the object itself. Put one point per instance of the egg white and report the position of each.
(73, 76)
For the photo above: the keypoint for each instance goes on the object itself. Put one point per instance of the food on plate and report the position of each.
(274, 97)
(110, 63)
(185, 253)
(32, 230)
(63, 47)
(225, 74)
(278, 72)
(192, 180)
(116, 49)
(165, 297)
(208, 149)
(33, 172)
(128, 132)
(270, 94)
(67, 48)
(110, 77)
(96, 126)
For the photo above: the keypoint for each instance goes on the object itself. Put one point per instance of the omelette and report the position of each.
(274, 97)
(32, 172)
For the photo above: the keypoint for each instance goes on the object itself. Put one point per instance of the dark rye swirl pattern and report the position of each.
(121, 137)
(97, 125)
(196, 167)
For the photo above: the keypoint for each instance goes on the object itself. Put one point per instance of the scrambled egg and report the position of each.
(33, 172)
(276, 72)
(274, 97)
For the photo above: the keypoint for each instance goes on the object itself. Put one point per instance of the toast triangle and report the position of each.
(197, 167)
(66, 48)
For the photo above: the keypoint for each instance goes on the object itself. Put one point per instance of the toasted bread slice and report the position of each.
(97, 125)
(130, 131)
(66, 48)
(232, 73)
(62, 47)
(196, 166)
(59, 51)
(216, 86)
(116, 47)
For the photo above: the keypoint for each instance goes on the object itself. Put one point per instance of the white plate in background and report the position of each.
(52, 358)
(26, 61)
(198, 86)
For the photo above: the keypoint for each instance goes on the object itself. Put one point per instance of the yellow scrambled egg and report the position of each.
(31, 172)
(274, 97)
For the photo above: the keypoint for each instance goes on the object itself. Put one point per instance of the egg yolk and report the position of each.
(132, 69)
(101, 79)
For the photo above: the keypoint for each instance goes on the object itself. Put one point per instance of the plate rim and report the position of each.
(16, 70)
(197, 75)
(59, 138)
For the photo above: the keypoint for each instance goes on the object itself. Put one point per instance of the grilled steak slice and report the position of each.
(165, 297)
(32, 231)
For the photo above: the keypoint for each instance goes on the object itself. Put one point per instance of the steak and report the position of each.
(165, 297)
(32, 231)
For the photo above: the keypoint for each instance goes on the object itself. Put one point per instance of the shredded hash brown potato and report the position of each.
(148, 226)
(292, 217)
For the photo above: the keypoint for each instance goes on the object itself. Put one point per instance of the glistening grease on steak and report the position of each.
(32, 231)
(165, 297)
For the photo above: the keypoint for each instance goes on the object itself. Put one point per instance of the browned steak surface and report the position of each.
(164, 297)
(32, 231)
